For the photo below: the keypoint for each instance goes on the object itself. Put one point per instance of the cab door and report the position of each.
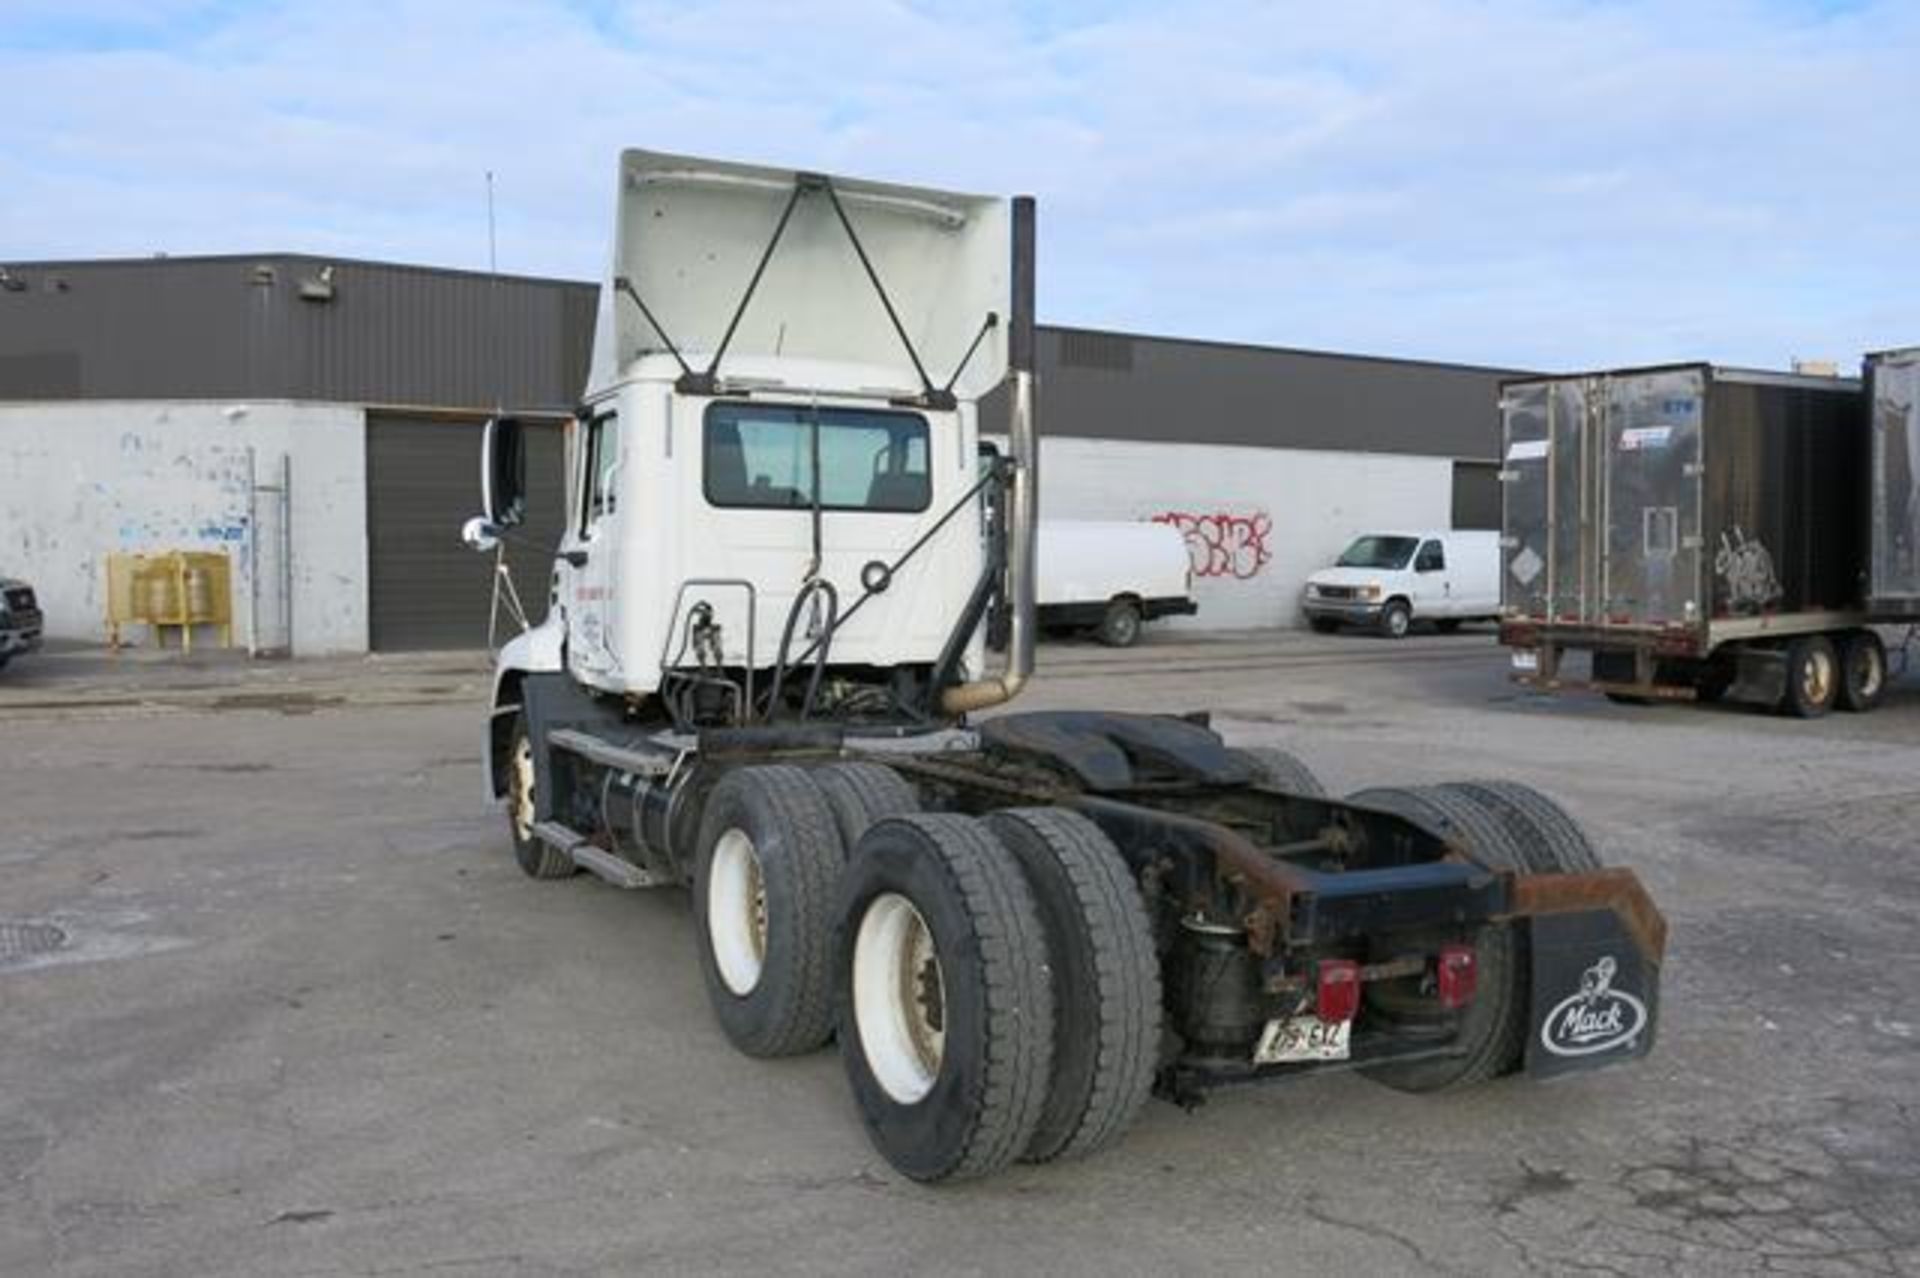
(1432, 592)
(592, 557)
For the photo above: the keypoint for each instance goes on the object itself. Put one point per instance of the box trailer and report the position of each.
(1893, 398)
(1698, 531)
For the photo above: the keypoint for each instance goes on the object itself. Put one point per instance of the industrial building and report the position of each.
(315, 419)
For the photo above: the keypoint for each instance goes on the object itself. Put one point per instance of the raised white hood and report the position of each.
(690, 233)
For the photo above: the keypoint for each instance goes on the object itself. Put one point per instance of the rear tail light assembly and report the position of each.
(1338, 993)
(1457, 976)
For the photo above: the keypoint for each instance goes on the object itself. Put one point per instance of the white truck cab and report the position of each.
(1390, 580)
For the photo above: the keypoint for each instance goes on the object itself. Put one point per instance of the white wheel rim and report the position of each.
(1873, 673)
(899, 998)
(737, 912)
(520, 790)
(1816, 680)
(1397, 621)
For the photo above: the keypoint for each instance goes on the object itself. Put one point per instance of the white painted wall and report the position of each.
(78, 480)
(1257, 520)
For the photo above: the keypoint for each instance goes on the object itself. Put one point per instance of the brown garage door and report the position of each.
(426, 589)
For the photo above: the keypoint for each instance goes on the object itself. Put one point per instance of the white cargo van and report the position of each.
(1390, 580)
(1111, 578)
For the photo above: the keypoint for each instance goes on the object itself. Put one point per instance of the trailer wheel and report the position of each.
(946, 1015)
(1813, 677)
(767, 863)
(1281, 769)
(537, 858)
(1106, 978)
(1396, 618)
(1120, 626)
(1493, 1027)
(861, 793)
(1546, 832)
(1863, 671)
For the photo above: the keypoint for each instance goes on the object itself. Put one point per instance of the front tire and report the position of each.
(537, 858)
(946, 1013)
(765, 872)
(1396, 619)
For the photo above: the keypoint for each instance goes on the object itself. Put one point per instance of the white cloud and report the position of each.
(1529, 182)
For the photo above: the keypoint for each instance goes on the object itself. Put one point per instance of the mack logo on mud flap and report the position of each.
(1595, 1018)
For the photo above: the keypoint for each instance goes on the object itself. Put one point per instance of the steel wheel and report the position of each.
(899, 998)
(1817, 677)
(520, 788)
(737, 912)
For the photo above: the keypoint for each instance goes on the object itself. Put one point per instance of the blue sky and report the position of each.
(1537, 183)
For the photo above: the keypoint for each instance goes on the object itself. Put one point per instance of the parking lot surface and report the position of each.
(274, 999)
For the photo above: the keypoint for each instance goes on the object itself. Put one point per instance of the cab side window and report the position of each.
(1432, 557)
(602, 455)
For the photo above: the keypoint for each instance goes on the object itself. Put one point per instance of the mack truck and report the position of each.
(764, 677)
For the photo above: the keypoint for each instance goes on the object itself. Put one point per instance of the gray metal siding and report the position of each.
(238, 327)
(426, 590)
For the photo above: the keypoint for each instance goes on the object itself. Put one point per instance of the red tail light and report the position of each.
(1339, 994)
(1459, 975)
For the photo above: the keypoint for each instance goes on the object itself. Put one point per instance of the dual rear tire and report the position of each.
(993, 983)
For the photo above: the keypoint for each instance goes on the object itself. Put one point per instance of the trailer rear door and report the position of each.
(1548, 565)
(1650, 566)
(1894, 382)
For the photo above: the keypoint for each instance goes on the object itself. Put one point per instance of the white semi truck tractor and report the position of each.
(761, 677)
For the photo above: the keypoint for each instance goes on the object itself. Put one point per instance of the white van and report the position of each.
(1390, 580)
(1110, 577)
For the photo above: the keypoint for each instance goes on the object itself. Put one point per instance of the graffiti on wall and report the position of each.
(1222, 544)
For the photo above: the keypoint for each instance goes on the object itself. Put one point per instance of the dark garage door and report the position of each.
(427, 590)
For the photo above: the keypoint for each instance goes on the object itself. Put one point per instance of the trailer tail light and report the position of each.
(1458, 976)
(1339, 992)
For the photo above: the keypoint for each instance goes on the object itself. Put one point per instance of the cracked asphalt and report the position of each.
(309, 1018)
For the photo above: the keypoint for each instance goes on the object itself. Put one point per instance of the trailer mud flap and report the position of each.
(1596, 995)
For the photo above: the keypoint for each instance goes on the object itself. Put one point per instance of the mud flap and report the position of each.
(1596, 996)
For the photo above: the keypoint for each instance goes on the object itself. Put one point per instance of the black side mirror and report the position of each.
(503, 472)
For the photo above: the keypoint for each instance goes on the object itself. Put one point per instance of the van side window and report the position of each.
(1432, 557)
(602, 459)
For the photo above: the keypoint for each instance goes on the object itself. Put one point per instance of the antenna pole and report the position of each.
(493, 304)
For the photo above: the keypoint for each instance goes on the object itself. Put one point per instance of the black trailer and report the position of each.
(1893, 396)
(1696, 531)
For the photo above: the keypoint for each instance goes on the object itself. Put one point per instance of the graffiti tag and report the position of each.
(1747, 569)
(1223, 545)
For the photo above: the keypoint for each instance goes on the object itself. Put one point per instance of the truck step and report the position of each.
(646, 763)
(596, 861)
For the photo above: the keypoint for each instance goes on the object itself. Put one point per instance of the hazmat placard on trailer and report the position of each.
(1639, 438)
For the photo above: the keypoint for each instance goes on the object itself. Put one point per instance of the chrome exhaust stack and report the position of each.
(1023, 495)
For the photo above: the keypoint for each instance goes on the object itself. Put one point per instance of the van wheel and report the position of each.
(1106, 979)
(946, 1001)
(1492, 1029)
(537, 858)
(1813, 677)
(767, 862)
(1396, 619)
(1863, 671)
(1120, 627)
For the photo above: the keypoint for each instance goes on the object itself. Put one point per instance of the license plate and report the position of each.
(1302, 1038)
(1526, 659)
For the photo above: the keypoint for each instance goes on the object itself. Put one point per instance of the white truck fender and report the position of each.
(541, 650)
